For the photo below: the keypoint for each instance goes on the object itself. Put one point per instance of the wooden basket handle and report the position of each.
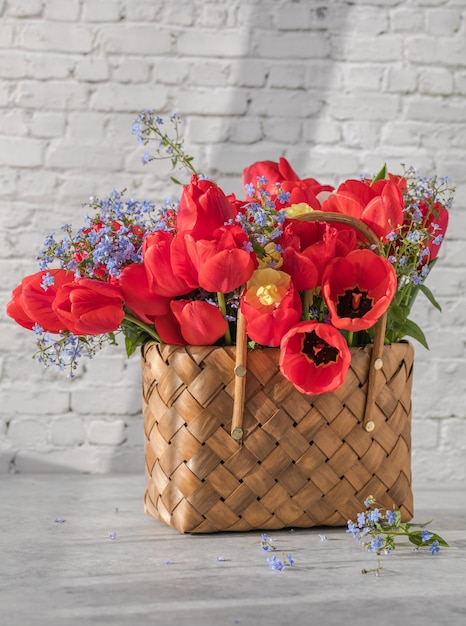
(377, 346)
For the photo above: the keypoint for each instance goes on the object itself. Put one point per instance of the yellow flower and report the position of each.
(298, 209)
(266, 288)
(272, 257)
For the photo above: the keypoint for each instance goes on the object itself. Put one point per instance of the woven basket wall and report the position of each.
(304, 460)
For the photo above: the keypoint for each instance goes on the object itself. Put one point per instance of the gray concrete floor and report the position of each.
(108, 563)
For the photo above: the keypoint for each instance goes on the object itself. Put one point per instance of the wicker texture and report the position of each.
(304, 460)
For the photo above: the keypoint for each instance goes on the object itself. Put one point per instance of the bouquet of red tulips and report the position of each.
(178, 274)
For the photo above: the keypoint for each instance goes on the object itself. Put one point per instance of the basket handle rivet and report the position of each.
(240, 371)
(378, 364)
(370, 426)
(237, 434)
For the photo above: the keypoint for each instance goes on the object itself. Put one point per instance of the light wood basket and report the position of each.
(231, 445)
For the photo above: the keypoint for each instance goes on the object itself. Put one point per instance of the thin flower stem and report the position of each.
(223, 309)
(306, 304)
(350, 338)
(150, 330)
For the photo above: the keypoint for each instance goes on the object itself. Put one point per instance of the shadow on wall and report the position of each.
(256, 89)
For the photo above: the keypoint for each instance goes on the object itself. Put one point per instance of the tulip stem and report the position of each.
(350, 338)
(306, 304)
(223, 308)
(150, 330)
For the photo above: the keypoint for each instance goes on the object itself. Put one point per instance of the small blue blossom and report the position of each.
(391, 517)
(426, 535)
(434, 548)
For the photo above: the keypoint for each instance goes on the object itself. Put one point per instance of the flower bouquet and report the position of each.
(295, 269)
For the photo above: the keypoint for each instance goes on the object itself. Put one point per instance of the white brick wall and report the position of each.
(337, 87)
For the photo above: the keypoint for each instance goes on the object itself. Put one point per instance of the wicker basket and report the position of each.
(226, 451)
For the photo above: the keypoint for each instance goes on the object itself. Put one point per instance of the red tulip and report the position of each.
(138, 296)
(301, 190)
(307, 249)
(380, 207)
(314, 357)
(222, 263)
(271, 306)
(436, 222)
(358, 289)
(201, 323)
(158, 261)
(32, 304)
(89, 307)
(203, 208)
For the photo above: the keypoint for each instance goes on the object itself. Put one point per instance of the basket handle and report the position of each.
(377, 346)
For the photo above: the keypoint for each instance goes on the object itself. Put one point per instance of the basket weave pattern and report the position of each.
(304, 460)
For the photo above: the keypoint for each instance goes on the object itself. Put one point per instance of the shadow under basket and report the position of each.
(302, 460)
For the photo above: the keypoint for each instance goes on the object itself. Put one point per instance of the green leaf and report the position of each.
(381, 175)
(430, 296)
(175, 180)
(411, 329)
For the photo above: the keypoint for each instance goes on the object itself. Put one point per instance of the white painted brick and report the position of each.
(46, 124)
(34, 401)
(25, 8)
(322, 131)
(460, 82)
(435, 109)
(295, 45)
(209, 44)
(63, 155)
(287, 75)
(50, 66)
(279, 102)
(449, 51)
(207, 73)
(246, 130)
(141, 10)
(368, 107)
(139, 39)
(283, 130)
(129, 70)
(325, 75)
(171, 71)
(115, 401)
(364, 77)
(213, 16)
(13, 65)
(21, 152)
(67, 432)
(13, 123)
(382, 49)
(220, 102)
(134, 98)
(62, 11)
(293, 17)
(57, 37)
(399, 133)
(206, 130)
(252, 73)
(80, 460)
(27, 433)
(6, 34)
(361, 134)
(407, 20)
(103, 11)
(85, 126)
(106, 433)
(51, 95)
(443, 21)
(180, 13)
(425, 433)
(92, 69)
(436, 81)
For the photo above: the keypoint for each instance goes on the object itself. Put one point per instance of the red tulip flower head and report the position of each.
(271, 306)
(358, 289)
(314, 357)
(89, 307)
(33, 298)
